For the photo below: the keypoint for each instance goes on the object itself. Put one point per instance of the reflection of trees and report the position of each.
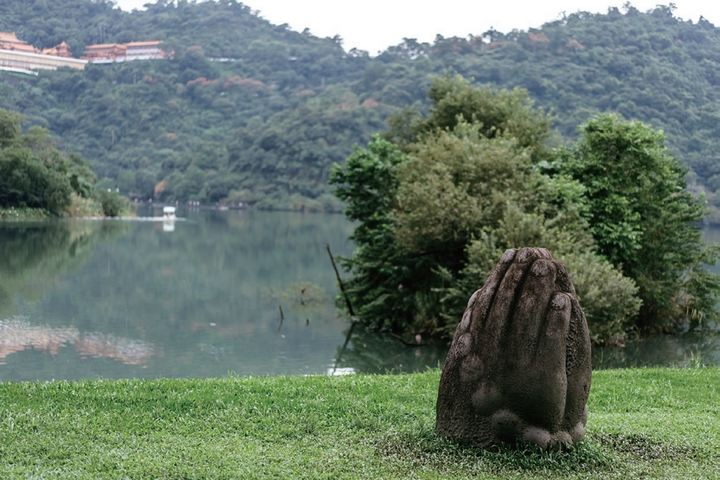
(380, 353)
(370, 352)
(200, 294)
(214, 268)
(304, 299)
(32, 255)
(661, 350)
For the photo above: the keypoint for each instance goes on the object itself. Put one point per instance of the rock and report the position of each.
(518, 369)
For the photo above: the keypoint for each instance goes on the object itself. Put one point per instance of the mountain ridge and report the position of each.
(265, 128)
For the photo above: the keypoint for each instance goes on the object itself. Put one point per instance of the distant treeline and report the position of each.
(253, 112)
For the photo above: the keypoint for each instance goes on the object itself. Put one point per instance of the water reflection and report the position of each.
(199, 301)
(34, 254)
(383, 353)
(114, 299)
(689, 349)
(369, 352)
(17, 334)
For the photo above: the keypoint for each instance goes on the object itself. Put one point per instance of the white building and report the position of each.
(17, 56)
(26, 62)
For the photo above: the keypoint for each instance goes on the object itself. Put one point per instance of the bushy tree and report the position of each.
(112, 203)
(644, 220)
(368, 184)
(436, 212)
(496, 113)
(9, 127)
(81, 175)
(33, 173)
(26, 182)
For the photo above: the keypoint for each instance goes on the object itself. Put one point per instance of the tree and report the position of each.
(645, 221)
(26, 182)
(33, 173)
(436, 213)
(81, 175)
(368, 184)
(497, 113)
(9, 127)
(112, 203)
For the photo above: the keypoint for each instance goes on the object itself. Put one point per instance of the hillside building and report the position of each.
(144, 50)
(105, 53)
(17, 56)
(123, 52)
(8, 41)
(62, 50)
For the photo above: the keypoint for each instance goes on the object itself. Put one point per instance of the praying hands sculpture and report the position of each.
(518, 369)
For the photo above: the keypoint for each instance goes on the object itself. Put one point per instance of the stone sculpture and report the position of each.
(518, 369)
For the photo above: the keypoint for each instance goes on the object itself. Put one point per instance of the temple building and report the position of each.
(8, 41)
(144, 50)
(17, 56)
(62, 50)
(105, 53)
(123, 52)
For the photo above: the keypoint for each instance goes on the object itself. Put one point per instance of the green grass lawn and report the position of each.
(644, 423)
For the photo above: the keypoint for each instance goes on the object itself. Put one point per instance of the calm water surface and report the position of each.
(200, 298)
(203, 298)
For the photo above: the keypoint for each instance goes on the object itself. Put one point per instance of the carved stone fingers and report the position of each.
(519, 365)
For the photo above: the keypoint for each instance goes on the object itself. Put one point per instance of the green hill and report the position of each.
(254, 112)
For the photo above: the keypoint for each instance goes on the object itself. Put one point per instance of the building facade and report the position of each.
(17, 56)
(123, 52)
(105, 53)
(8, 41)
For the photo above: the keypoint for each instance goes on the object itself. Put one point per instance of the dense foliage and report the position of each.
(254, 112)
(439, 204)
(34, 174)
(244, 111)
(644, 220)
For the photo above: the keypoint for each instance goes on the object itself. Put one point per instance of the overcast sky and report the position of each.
(374, 25)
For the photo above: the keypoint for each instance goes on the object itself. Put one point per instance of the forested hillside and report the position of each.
(249, 111)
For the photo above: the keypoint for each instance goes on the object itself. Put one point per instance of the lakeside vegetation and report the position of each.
(38, 181)
(655, 423)
(252, 112)
(440, 196)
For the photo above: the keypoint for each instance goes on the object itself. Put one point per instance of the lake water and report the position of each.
(222, 292)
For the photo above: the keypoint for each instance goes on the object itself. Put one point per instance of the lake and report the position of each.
(215, 294)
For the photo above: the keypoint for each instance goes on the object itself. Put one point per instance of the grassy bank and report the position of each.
(654, 423)
(78, 207)
(12, 213)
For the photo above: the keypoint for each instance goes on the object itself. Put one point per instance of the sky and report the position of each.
(374, 25)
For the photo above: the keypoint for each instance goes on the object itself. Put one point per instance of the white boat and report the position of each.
(169, 213)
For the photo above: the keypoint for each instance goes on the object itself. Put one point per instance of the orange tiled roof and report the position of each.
(10, 37)
(23, 48)
(103, 46)
(144, 44)
(62, 50)
(9, 41)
